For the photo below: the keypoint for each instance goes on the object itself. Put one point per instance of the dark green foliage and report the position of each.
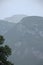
(1, 39)
(5, 52)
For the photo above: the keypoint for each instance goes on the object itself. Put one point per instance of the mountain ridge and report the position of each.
(26, 41)
(15, 18)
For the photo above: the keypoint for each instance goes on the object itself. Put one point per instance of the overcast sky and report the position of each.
(27, 7)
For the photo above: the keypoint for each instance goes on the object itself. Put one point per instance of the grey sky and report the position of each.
(13, 7)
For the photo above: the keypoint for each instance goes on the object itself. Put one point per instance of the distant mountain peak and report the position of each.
(15, 18)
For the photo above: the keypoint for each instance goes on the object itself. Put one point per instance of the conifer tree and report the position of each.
(5, 52)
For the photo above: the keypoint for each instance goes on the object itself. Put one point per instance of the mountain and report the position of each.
(5, 26)
(15, 18)
(26, 41)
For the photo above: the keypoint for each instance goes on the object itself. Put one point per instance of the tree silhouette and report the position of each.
(5, 52)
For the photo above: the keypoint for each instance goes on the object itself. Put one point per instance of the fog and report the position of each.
(9, 8)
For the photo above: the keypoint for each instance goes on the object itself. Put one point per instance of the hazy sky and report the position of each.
(27, 7)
